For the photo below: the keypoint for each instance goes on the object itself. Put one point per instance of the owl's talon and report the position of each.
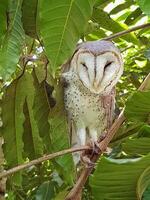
(95, 147)
(86, 161)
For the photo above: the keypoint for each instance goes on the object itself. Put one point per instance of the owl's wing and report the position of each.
(108, 103)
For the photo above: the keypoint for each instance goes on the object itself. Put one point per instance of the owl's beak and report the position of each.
(96, 86)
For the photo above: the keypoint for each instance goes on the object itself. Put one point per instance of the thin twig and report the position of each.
(119, 34)
(103, 145)
(41, 159)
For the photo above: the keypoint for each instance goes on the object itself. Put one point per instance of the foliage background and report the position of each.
(36, 38)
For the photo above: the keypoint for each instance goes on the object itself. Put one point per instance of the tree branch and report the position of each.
(103, 145)
(119, 34)
(41, 159)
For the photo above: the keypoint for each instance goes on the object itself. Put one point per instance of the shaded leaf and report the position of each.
(31, 131)
(41, 109)
(121, 176)
(134, 16)
(146, 195)
(46, 191)
(52, 123)
(29, 11)
(14, 38)
(121, 7)
(13, 119)
(3, 19)
(61, 26)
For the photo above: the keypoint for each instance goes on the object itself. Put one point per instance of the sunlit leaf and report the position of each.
(14, 38)
(145, 6)
(62, 23)
(111, 25)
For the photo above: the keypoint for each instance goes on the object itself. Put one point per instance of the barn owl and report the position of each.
(90, 77)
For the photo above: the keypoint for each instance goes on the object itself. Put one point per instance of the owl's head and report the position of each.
(98, 65)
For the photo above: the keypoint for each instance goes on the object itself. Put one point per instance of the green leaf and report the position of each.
(61, 195)
(119, 179)
(121, 7)
(46, 191)
(143, 182)
(12, 44)
(52, 123)
(146, 195)
(41, 109)
(29, 11)
(13, 119)
(3, 19)
(145, 6)
(138, 107)
(61, 25)
(136, 146)
(106, 22)
(31, 131)
(134, 16)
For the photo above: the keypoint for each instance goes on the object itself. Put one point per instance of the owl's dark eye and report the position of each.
(84, 65)
(107, 65)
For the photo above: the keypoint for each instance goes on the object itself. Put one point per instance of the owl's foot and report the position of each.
(86, 161)
(88, 154)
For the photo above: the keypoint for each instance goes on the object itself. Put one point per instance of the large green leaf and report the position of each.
(106, 22)
(52, 123)
(145, 6)
(29, 11)
(13, 119)
(41, 109)
(31, 131)
(122, 179)
(138, 107)
(61, 25)
(13, 41)
(3, 19)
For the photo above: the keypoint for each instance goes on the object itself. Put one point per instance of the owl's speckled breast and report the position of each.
(83, 107)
